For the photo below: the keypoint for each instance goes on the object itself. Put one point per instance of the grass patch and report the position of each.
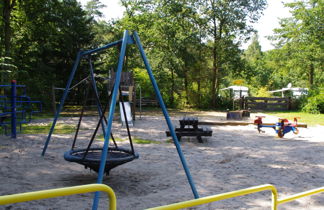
(44, 129)
(101, 138)
(49, 115)
(169, 141)
(309, 119)
(134, 139)
(144, 141)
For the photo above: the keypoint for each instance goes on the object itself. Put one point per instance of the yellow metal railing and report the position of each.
(43, 194)
(222, 196)
(300, 195)
(251, 190)
(52, 193)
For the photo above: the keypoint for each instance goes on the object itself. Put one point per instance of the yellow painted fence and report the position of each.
(59, 192)
(37, 195)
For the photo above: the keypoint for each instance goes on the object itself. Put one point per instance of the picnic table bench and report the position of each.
(189, 127)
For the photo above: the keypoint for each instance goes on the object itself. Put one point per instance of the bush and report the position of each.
(263, 92)
(298, 103)
(315, 103)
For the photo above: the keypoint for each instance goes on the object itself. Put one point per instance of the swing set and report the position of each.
(105, 158)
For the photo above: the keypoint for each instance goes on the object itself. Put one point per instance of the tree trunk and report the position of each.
(215, 69)
(311, 75)
(7, 8)
(172, 88)
(214, 76)
(186, 86)
(199, 88)
(217, 63)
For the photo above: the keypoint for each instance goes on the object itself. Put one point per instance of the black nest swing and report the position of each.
(91, 157)
(115, 157)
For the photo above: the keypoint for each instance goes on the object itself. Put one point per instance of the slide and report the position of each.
(128, 113)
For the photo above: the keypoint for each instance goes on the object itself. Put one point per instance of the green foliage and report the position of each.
(93, 8)
(8, 70)
(46, 37)
(301, 40)
(298, 58)
(315, 102)
(143, 81)
(263, 92)
(194, 43)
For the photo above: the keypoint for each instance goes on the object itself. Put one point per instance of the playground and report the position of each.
(172, 105)
(233, 158)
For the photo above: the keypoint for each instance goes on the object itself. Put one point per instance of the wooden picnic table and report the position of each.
(189, 127)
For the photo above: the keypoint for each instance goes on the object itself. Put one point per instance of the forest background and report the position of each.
(193, 47)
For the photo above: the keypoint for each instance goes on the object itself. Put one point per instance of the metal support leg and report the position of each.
(166, 115)
(110, 117)
(65, 94)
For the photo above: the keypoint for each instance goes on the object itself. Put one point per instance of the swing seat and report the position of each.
(115, 157)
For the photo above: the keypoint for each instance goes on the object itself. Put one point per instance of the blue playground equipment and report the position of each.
(16, 109)
(104, 153)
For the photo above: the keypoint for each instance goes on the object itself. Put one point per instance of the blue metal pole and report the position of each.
(110, 117)
(65, 94)
(166, 115)
(89, 52)
(13, 109)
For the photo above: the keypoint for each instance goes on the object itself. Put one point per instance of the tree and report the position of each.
(46, 36)
(93, 8)
(227, 21)
(256, 72)
(301, 36)
(171, 36)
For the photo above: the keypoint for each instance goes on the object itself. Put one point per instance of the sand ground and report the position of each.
(235, 157)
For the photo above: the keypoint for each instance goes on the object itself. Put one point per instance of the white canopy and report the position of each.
(296, 91)
(237, 88)
(292, 89)
(238, 91)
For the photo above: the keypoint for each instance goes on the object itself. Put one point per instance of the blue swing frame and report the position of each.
(127, 40)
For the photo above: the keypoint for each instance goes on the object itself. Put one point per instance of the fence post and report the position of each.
(242, 103)
(289, 103)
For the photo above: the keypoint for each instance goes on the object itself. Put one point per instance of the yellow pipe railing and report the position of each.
(43, 194)
(52, 193)
(223, 196)
(300, 195)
